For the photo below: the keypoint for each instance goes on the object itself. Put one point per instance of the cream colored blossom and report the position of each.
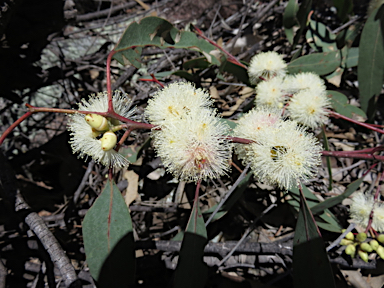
(266, 65)
(308, 108)
(378, 217)
(305, 81)
(193, 147)
(284, 154)
(270, 93)
(251, 124)
(176, 101)
(84, 140)
(361, 208)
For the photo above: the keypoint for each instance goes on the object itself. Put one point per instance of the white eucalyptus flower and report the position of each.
(85, 139)
(266, 65)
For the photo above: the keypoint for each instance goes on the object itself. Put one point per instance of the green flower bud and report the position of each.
(374, 244)
(366, 247)
(350, 236)
(345, 242)
(108, 141)
(97, 122)
(363, 255)
(380, 251)
(361, 237)
(380, 238)
(350, 250)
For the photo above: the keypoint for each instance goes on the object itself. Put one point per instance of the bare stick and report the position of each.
(57, 254)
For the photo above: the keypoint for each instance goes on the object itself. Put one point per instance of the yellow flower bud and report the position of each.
(374, 244)
(350, 250)
(108, 141)
(380, 251)
(380, 238)
(97, 122)
(350, 236)
(345, 242)
(361, 237)
(366, 247)
(363, 255)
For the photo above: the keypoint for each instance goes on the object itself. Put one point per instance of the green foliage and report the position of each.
(370, 70)
(320, 63)
(325, 220)
(154, 31)
(108, 239)
(340, 104)
(310, 260)
(191, 271)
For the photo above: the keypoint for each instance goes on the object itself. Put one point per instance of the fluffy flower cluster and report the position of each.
(304, 93)
(190, 142)
(282, 152)
(86, 140)
(360, 210)
(266, 66)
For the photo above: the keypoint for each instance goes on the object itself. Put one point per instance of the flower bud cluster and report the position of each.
(362, 245)
(92, 135)
(304, 94)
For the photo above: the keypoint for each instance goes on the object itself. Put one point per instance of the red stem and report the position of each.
(13, 126)
(197, 191)
(369, 126)
(231, 58)
(154, 79)
(355, 155)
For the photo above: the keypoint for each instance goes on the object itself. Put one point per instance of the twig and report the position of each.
(245, 235)
(83, 181)
(57, 254)
(105, 12)
(230, 191)
(337, 241)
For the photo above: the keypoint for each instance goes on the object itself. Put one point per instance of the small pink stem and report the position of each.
(13, 126)
(231, 58)
(337, 115)
(344, 154)
(154, 79)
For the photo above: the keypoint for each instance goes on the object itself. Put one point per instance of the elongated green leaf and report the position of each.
(302, 18)
(340, 104)
(108, 239)
(312, 201)
(199, 63)
(154, 31)
(239, 72)
(320, 63)
(344, 7)
(330, 202)
(352, 57)
(311, 266)
(191, 271)
(289, 19)
(370, 70)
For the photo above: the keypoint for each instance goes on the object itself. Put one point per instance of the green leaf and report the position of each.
(312, 201)
(320, 63)
(198, 63)
(239, 72)
(289, 18)
(352, 57)
(108, 239)
(191, 271)
(154, 31)
(302, 18)
(340, 104)
(370, 70)
(320, 37)
(330, 202)
(311, 265)
(231, 199)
